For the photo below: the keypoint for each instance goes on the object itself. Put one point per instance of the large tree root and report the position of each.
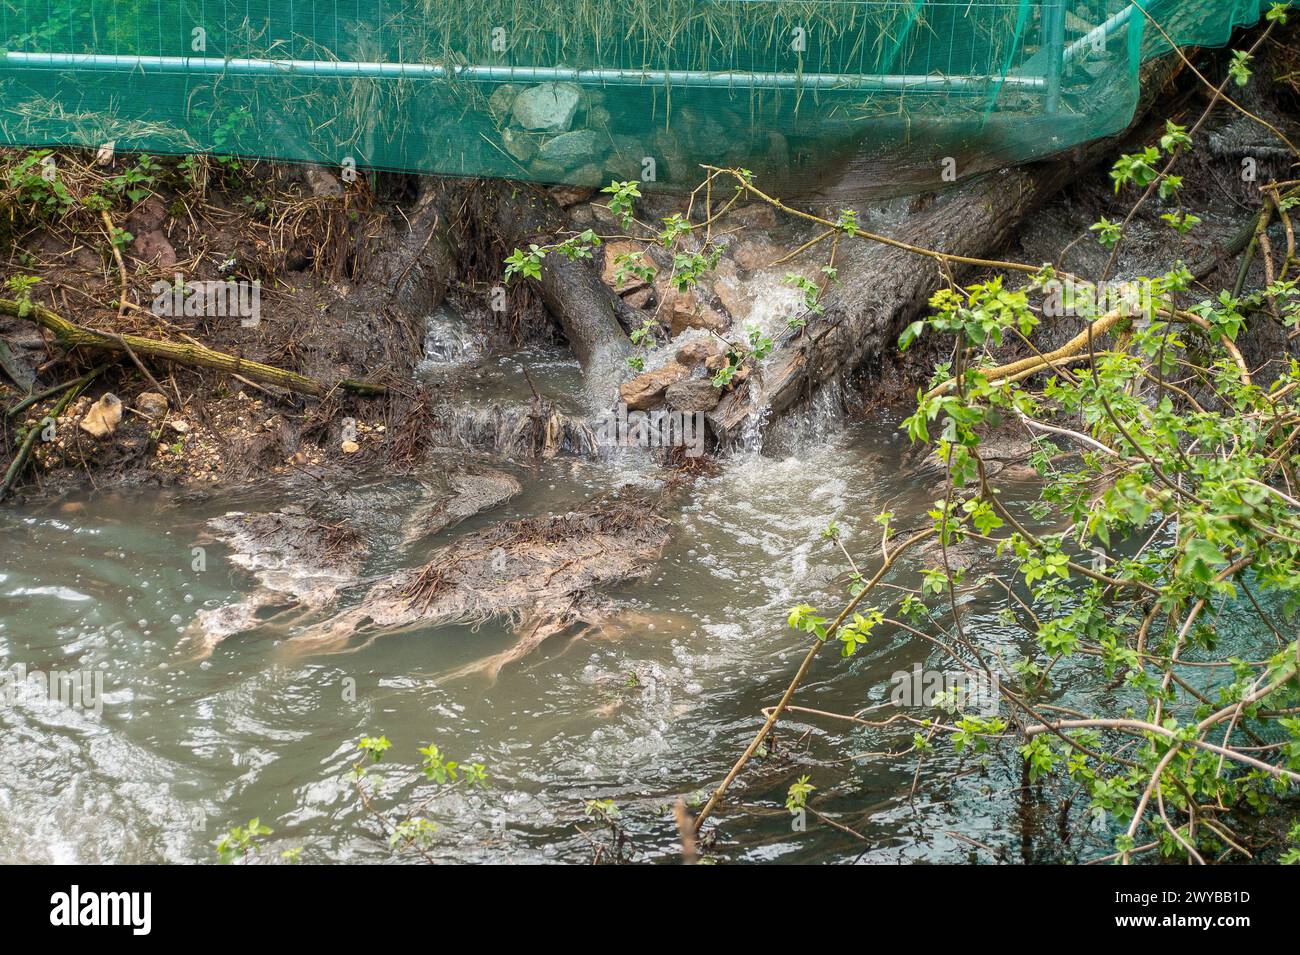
(592, 316)
(71, 336)
(417, 276)
(881, 289)
(885, 283)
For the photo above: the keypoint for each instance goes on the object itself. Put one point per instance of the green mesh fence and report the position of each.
(804, 92)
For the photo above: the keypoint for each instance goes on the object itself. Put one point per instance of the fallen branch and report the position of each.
(48, 392)
(1074, 349)
(111, 231)
(70, 335)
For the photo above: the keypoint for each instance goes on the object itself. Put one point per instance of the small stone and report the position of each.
(151, 404)
(566, 196)
(179, 426)
(640, 298)
(685, 310)
(322, 183)
(647, 390)
(103, 417)
(588, 178)
(521, 145)
(349, 447)
(542, 171)
(778, 152)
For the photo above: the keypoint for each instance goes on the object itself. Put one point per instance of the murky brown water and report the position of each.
(184, 749)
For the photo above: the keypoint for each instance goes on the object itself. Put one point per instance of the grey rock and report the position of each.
(549, 107)
(502, 101)
(521, 145)
(570, 150)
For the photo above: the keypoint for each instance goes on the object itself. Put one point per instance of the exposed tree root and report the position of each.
(515, 431)
(881, 289)
(534, 632)
(472, 493)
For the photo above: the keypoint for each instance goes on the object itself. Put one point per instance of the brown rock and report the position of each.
(566, 196)
(685, 310)
(581, 215)
(698, 351)
(754, 253)
(715, 363)
(640, 298)
(349, 447)
(103, 417)
(647, 390)
(612, 252)
(692, 395)
(151, 404)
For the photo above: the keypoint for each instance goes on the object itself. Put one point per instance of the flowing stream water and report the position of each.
(183, 748)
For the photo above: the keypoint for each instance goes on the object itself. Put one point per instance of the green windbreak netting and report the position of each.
(803, 92)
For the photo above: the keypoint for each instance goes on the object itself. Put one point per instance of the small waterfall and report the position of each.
(811, 425)
(797, 431)
(448, 340)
